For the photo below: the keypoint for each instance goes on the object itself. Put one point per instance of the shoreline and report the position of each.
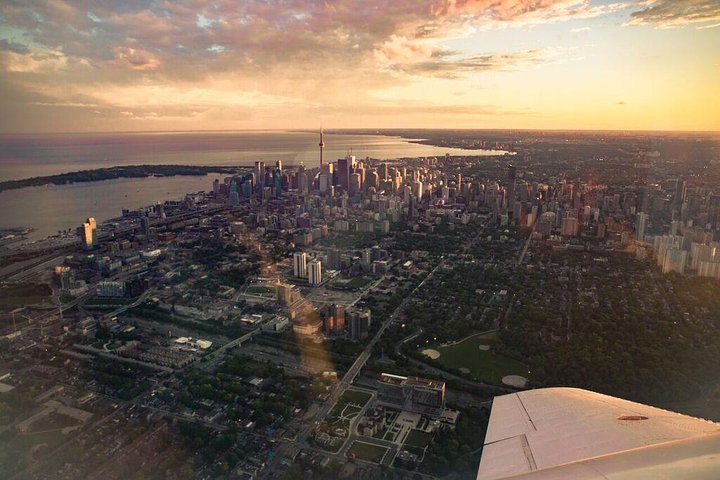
(115, 173)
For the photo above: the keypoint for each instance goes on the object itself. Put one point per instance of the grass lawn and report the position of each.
(349, 397)
(367, 451)
(260, 291)
(359, 283)
(484, 365)
(418, 438)
(353, 396)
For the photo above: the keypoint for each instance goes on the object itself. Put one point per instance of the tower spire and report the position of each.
(321, 145)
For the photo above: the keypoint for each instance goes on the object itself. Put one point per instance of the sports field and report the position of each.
(367, 451)
(483, 364)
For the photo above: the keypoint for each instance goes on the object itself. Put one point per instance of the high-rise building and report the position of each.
(714, 211)
(354, 186)
(359, 325)
(345, 167)
(569, 226)
(680, 191)
(300, 264)
(512, 174)
(145, 226)
(259, 172)
(314, 269)
(338, 313)
(641, 226)
(89, 234)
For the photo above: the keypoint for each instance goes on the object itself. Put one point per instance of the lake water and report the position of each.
(58, 207)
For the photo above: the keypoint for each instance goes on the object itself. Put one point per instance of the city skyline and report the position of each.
(153, 66)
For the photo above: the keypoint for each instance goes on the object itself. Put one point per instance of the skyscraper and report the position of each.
(338, 313)
(300, 264)
(641, 226)
(512, 174)
(714, 211)
(89, 234)
(359, 325)
(315, 272)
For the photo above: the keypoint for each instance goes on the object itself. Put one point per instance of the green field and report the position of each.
(367, 451)
(359, 283)
(484, 365)
(418, 438)
(260, 291)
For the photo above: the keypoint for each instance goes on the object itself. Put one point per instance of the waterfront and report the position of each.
(25, 156)
(50, 208)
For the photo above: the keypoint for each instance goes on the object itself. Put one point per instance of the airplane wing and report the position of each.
(577, 434)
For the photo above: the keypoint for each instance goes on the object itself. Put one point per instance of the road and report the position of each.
(340, 387)
(34, 270)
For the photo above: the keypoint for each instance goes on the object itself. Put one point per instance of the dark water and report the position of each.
(23, 156)
(52, 208)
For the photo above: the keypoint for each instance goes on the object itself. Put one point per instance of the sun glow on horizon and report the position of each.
(563, 64)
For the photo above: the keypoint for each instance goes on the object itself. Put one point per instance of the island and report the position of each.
(112, 173)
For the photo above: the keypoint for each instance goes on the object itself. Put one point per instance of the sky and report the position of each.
(136, 65)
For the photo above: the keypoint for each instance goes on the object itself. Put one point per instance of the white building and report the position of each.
(300, 264)
(315, 272)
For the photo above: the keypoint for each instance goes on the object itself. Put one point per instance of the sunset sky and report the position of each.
(203, 65)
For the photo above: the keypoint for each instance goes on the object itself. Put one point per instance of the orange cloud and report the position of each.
(136, 59)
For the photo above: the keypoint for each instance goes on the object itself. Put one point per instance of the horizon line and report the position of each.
(350, 129)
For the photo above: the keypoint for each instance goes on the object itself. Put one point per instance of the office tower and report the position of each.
(89, 234)
(417, 189)
(359, 325)
(314, 269)
(279, 165)
(641, 226)
(569, 226)
(372, 179)
(323, 183)
(338, 314)
(345, 168)
(334, 258)
(300, 264)
(145, 226)
(216, 187)
(259, 172)
(680, 191)
(714, 211)
(512, 174)
(354, 186)
(302, 181)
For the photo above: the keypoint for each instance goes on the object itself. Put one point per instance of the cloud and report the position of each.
(204, 57)
(525, 12)
(136, 59)
(678, 13)
(579, 29)
(445, 67)
(10, 46)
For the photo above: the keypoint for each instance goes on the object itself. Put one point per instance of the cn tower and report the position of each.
(321, 145)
